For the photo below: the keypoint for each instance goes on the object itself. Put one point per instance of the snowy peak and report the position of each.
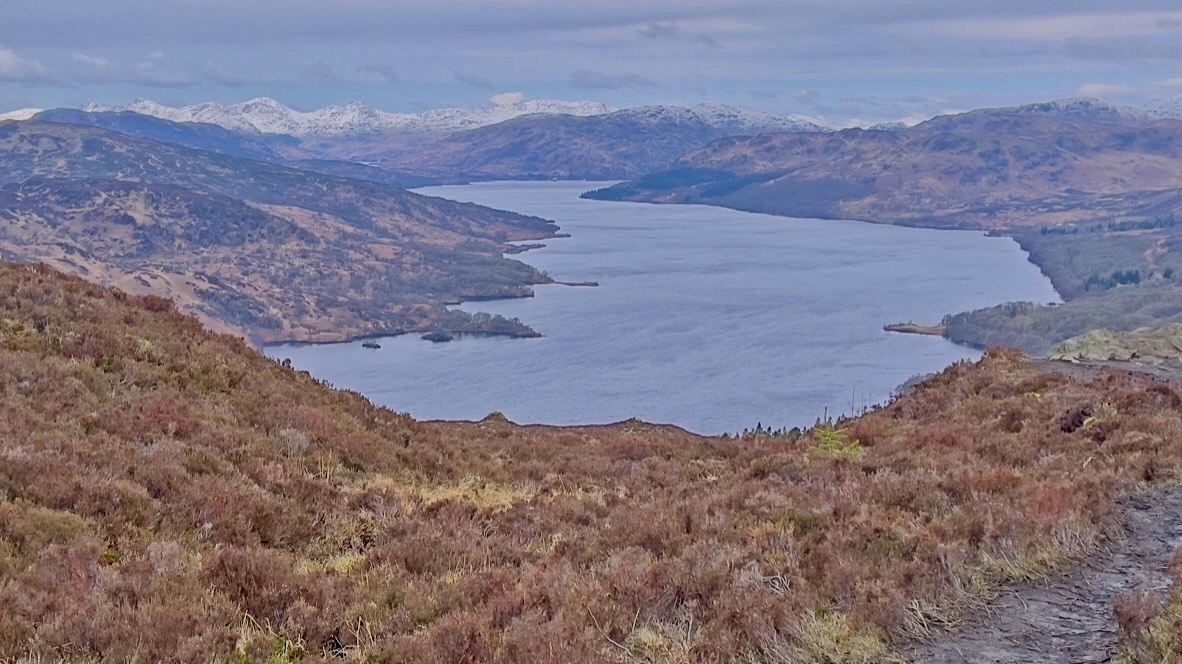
(268, 116)
(720, 116)
(19, 114)
(1165, 108)
(1095, 110)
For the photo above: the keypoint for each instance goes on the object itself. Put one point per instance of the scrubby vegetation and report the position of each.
(1116, 275)
(1151, 626)
(167, 494)
(1037, 328)
(480, 322)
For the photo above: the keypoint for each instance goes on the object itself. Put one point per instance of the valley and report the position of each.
(170, 493)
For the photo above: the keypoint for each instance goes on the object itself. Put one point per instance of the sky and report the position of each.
(840, 60)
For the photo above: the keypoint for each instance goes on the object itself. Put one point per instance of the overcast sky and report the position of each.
(838, 59)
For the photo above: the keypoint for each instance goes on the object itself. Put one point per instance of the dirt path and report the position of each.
(1069, 619)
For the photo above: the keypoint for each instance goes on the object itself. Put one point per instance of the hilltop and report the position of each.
(267, 250)
(169, 494)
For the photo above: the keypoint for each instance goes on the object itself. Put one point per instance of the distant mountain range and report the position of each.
(268, 116)
(999, 169)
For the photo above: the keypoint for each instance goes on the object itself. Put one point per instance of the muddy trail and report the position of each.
(1069, 618)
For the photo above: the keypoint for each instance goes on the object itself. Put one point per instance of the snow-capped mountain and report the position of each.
(1090, 108)
(268, 116)
(19, 114)
(723, 117)
(1165, 108)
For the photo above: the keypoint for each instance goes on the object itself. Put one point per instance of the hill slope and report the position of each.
(167, 494)
(280, 253)
(272, 148)
(614, 145)
(992, 169)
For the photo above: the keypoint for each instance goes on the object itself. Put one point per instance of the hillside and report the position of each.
(167, 494)
(625, 143)
(275, 252)
(273, 148)
(995, 169)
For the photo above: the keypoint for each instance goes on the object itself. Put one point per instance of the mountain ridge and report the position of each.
(269, 116)
(992, 169)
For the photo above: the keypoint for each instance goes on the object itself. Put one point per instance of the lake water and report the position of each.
(707, 318)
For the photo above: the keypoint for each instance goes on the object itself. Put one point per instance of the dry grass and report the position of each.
(170, 495)
(1151, 626)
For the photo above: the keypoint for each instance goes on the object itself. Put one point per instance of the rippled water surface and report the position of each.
(707, 318)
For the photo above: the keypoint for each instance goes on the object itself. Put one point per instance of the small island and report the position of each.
(915, 328)
(455, 323)
(371, 344)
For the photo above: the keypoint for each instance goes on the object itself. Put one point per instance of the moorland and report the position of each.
(170, 494)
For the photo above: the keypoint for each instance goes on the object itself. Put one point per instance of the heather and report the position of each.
(167, 494)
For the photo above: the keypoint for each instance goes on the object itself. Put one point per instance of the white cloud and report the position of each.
(507, 98)
(15, 68)
(1059, 27)
(1104, 89)
(92, 60)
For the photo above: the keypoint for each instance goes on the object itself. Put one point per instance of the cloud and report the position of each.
(1056, 26)
(807, 96)
(764, 94)
(659, 31)
(1125, 49)
(1104, 89)
(15, 68)
(507, 98)
(92, 60)
(473, 80)
(385, 71)
(587, 79)
(320, 72)
(1172, 82)
(706, 40)
(211, 73)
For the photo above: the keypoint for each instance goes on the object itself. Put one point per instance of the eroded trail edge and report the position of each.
(1070, 617)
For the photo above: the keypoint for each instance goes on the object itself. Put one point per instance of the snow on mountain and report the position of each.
(1165, 108)
(1090, 108)
(267, 116)
(721, 117)
(264, 115)
(19, 114)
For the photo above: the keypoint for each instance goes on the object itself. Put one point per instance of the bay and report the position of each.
(711, 319)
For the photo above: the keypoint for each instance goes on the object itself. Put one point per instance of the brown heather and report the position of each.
(171, 495)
